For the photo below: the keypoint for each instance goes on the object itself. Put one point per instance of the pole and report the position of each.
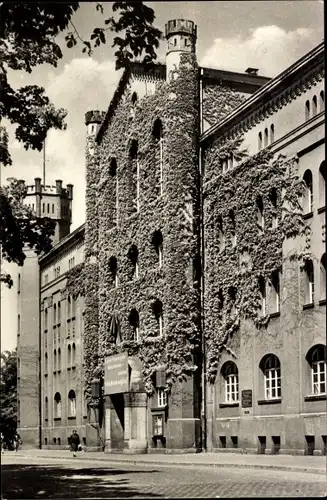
(44, 162)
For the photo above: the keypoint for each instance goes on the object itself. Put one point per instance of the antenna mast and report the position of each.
(44, 162)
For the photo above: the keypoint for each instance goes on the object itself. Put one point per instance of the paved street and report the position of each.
(29, 477)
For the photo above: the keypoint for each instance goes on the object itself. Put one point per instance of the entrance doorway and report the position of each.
(117, 422)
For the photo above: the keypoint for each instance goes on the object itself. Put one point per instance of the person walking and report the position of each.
(74, 442)
(16, 441)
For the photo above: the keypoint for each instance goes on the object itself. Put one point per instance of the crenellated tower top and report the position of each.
(181, 37)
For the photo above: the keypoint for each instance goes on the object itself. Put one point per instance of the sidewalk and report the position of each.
(313, 464)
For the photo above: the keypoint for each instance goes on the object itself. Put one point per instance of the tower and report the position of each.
(181, 39)
(54, 202)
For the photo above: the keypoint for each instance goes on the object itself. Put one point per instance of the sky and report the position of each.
(232, 35)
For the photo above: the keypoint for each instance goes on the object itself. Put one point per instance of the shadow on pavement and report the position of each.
(33, 481)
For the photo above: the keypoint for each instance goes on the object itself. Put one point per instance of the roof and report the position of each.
(67, 241)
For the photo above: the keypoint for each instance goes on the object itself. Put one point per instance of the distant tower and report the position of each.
(54, 202)
(181, 39)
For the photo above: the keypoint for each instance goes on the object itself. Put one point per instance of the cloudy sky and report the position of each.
(232, 35)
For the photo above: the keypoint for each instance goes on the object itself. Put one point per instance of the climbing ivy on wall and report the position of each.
(238, 251)
(219, 101)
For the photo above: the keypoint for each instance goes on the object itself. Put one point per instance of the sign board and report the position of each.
(247, 398)
(116, 374)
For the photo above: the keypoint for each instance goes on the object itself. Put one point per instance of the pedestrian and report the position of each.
(74, 442)
(16, 441)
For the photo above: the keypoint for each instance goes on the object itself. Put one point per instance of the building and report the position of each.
(200, 270)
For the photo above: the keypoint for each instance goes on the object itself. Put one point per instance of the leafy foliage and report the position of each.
(8, 393)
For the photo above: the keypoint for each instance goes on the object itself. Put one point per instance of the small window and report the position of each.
(260, 213)
(272, 133)
(322, 101)
(162, 398)
(134, 98)
(133, 150)
(273, 201)
(45, 319)
(134, 321)
(262, 288)
(323, 277)
(259, 141)
(316, 358)
(69, 356)
(18, 325)
(322, 184)
(307, 110)
(133, 254)
(18, 283)
(266, 138)
(157, 241)
(48, 208)
(309, 288)
(113, 270)
(275, 292)
(314, 106)
(113, 167)
(229, 372)
(46, 408)
(157, 425)
(43, 207)
(57, 405)
(158, 313)
(72, 403)
(52, 208)
(270, 366)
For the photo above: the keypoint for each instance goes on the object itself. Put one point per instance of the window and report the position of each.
(46, 279)
(46, 408)
(134, 321)
(229, 372)
(48, 208)
(18, 283)
(316, 358)
(308, 282)
(114, 328)
(275, 293)
(73, 355)
(266, 137)
(157, 425)
(272, 133)
(114, 177)
(46, 320)
(43, 207)
(55, 360)
(46, 363)
(270, 366)
(18, 325)
(322, 101)
(230, 162)
(133, 254)
(162, 398)
(71, 262)
(308, 196)
(57, 272)
(57, 405)
(69, 356)
(322, 184)
(158, 313)
(323, 277)
(262, 288)
(113, 270)
(134, 98)
(59, 359)
(273, 201)
(158, 137)
(259, 141)
(157, 241)
(307, 110)
(314, 106)
(52, 208)
(135, 174)
(260, 214)
(72, 403)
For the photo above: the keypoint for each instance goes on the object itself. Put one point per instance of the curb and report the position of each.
(310, 470)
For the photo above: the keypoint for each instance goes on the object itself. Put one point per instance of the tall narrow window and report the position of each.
(73, 354)
(114, 176)
(69, 356)
(266, 137)
(307, 110)
(135, 174)
(322, 184)
(72, 403)
(157, 241)
(316, 358)
(323, 277)
(322, 101)
(18, 325)
(55, 360)
(275, 293)
(272, 376)
(113, 270)
(48, 208)
(134, 321)
(262, 288)
(59, 359)
(134, 98)
(45, 319)
(308, 195)
(46, 364)
(273, 201)
(272, 133)
(57, 405)
(133, 255)
(260, 214)
(162, 397)
(46, 408)
(308, 282)
(158, 137)
(18, 283)
(314, 106)
(259, 141)
(229, 373)
(158, 313)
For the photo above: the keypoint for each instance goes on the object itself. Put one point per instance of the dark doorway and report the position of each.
(117, 422)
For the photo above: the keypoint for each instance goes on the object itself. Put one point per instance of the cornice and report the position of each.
(63, 246)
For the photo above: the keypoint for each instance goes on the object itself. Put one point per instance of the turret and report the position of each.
(181, 39)
(93, 120)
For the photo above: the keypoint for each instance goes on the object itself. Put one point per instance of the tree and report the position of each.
(28, 34)
(8, 393)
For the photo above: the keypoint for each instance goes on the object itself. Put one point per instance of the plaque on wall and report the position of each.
(247, 398)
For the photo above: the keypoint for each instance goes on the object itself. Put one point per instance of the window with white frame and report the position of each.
(158, 313)
(270, 366)
(323, 277)
(274, 293)
(72, 403)
(133, 255)
(317, 360)
(309, 286)
(308, 195)
(158, 137)
(157, 241)
(162, 397)
(113, 269)
(57, 405)
(229, 372)
(322, 184)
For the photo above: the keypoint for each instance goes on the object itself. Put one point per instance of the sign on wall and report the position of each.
(247, 398)
(116, 374)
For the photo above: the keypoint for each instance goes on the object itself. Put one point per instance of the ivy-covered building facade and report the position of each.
(202, 286)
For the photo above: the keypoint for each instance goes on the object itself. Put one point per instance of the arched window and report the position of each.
(46, 363)
(259, 141)
(270, 366)
(157, 242)
(134, 321)
(157, 133)
(314, 105)
(266, 138)
(275, 293)
(322, 101)
(135, 173)
(54, 314)
(273, 201)
(48, 208)
(316, 358)
(113, 270)
(262, 288)
(18, 283)
(69, 356)
(59, 359)
(323, 277)
(309, 286)
(322, 184)
(229, 372)
(55, 360)
(308, 195)
(134, 98)
(72, 403)
(57, 405)
(133, 255)
(73, 355)
(272, 133)
(232, 227)
(307, 110)
(45, 319)
(158, 313)
(260, 214)
(46, 408)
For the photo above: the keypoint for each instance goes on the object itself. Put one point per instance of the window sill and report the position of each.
(321, 210)
(72, 417)
(308, 215)
(315, 397)
(159, 408)
(274, 315)
(269, 401)
(229, 405)
(56, 418)
(322, 302)
(308, 306)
